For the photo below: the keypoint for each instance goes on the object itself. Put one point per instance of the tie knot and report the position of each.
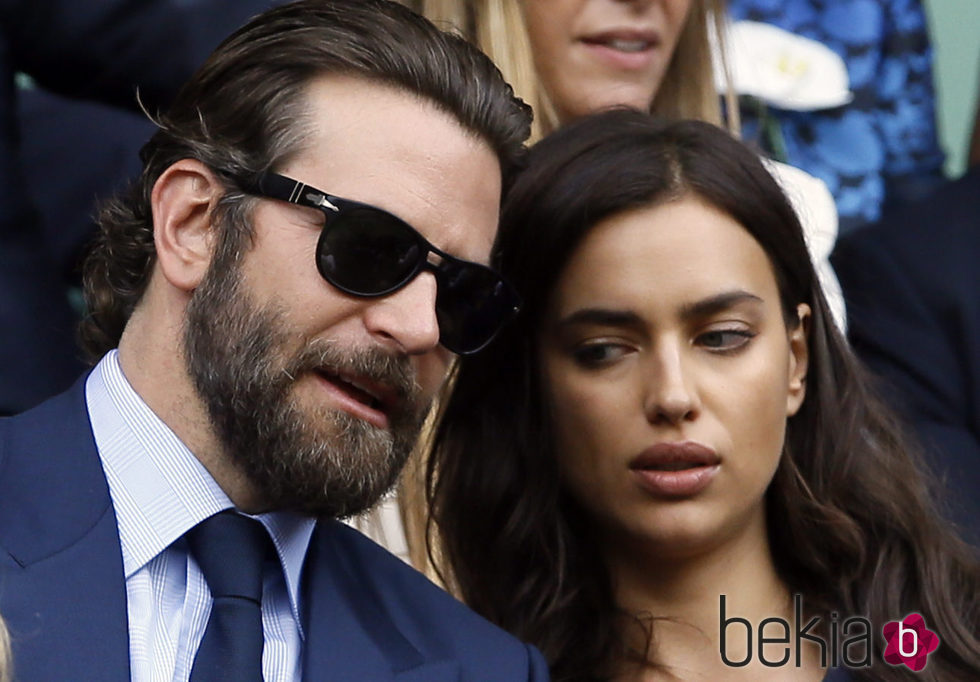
(231, 549)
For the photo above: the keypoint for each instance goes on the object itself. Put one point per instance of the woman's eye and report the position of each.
(725, 339)
(597, 354)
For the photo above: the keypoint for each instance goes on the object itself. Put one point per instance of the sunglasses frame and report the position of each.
(276, 186)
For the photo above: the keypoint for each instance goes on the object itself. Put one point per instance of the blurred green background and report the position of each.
(955, 29)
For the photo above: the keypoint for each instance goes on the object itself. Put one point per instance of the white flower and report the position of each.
(815, 207)
(781, 68)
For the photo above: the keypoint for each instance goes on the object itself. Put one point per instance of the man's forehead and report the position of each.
(382, 145)
(341, 104)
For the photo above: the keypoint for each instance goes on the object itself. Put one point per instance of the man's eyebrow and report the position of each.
(717, 303)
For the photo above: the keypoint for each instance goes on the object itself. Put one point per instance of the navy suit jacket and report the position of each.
(912, 287)
(367, 615)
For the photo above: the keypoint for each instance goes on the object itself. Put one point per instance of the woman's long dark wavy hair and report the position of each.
(852, 520)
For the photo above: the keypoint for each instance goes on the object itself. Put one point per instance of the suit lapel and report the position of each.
(62, 587)
(349, 634)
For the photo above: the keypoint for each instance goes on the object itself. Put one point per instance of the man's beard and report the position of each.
(322, 462)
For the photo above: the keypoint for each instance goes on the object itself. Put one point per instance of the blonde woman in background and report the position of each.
(544, 48)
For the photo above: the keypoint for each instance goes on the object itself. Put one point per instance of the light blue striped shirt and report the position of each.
(160, 491)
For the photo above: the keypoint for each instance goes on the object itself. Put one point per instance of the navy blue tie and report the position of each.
(231, 550)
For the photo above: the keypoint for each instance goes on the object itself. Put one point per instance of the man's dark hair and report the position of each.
(244, 112)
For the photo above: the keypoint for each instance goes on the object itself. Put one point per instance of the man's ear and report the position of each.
(799, 358)
(183, 201)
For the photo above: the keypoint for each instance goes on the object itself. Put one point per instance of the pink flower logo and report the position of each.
(909, 642)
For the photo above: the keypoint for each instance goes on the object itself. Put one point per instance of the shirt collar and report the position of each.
(159, 489)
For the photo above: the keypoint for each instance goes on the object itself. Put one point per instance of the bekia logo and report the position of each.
(909, 642)
(846, 641)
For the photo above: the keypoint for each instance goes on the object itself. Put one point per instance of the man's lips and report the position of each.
(363, 397)
(675, 469)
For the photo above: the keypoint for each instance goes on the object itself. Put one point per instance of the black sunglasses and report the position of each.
(366, 251)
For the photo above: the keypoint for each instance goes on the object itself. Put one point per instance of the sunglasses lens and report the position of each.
(472, 304)
(367, 252)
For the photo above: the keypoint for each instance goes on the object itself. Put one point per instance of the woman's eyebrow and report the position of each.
(717, 303)
(604, 317)
(609, 317)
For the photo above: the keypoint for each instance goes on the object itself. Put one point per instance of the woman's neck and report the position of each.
(684, 596)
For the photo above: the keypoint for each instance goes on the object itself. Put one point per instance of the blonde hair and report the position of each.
(498, 28)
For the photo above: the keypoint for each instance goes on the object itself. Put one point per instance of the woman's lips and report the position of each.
(622, 49)
(675, 469)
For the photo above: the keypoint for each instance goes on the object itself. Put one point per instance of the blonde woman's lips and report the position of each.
(626, 49)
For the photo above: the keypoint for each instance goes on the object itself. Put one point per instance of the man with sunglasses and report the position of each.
(275, 304)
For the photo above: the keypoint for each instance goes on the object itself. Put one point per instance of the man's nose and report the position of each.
(406, 319)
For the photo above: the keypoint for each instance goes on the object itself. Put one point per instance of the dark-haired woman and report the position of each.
(671, 467)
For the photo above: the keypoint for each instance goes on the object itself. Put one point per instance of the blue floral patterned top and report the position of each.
(882, 146)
